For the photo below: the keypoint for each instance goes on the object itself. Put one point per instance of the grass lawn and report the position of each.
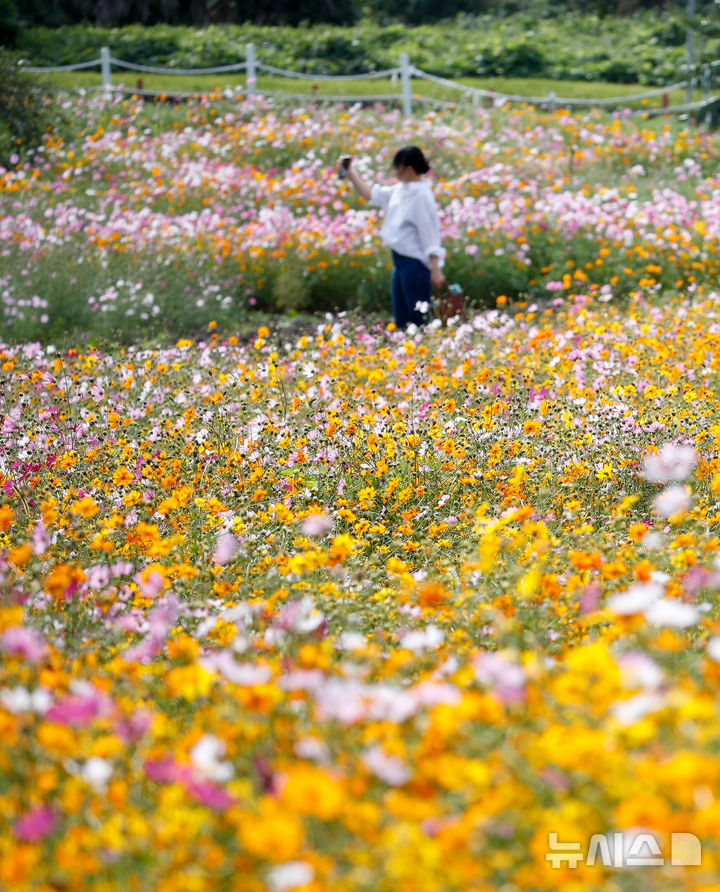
(381, 87)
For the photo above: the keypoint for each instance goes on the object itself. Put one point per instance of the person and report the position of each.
(411, 229)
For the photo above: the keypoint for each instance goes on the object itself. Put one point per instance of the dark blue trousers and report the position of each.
(410, 285)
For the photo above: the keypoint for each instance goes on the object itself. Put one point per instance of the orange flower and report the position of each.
(432, 594)
(643, 570)
(20, 555)
(583, 560)
(85, 507)
(6, 517)
(62, 580)
(311, 791)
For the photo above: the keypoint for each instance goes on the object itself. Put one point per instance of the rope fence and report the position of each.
(150, 69)
(405, 73)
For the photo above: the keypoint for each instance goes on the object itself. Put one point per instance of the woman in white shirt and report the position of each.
(411, 229)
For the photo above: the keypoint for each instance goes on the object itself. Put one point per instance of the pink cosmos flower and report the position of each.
(301, 616)
(36, 824)
(241, 674)
(23, 642)
(165, 770)
(317, 525)
(210, 795)
(225, 548)
(80, 708)
(40, 538)
(590, 597)
(150, 584)
(132, 727)
(695, 580)
(505, 677)
(434, 693)
(145, 650)
(163, 616)
(388, 768)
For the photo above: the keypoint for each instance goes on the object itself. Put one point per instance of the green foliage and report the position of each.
(24, 115)
(418, 12)
(647, 49)
(9, 22)
(294, 12)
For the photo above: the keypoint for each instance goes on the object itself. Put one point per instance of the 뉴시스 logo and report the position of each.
(634, 848)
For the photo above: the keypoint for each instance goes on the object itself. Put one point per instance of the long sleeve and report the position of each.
(427, 222)
(380, 196)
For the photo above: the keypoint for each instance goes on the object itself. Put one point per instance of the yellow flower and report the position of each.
(85, 507)
(189, 682)
(312, 791)
(273, 834)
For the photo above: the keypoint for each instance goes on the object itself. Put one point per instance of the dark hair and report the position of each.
(411, 156)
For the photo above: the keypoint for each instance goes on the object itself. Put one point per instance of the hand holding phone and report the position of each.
(344, 166)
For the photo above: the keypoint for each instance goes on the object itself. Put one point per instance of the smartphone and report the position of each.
(344, 166)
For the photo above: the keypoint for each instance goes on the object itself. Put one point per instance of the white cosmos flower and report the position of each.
(206, 757)
(636, 599)
(290, 875)
(96, 772)
(670, 463)
(422, 639)
(671, 612)
(713, 649)
(671, 501)
(629, 711)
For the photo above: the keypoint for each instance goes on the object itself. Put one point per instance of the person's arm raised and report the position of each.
(359, 183)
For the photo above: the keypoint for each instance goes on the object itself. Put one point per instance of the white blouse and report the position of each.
(411, 226)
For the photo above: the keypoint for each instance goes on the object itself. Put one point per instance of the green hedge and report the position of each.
(646, 49)
(24, 113)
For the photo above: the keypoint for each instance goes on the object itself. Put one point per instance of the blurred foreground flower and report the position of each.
(19, 641)
(290, 875)
(317, 525)
(225, 548)
(670, 463)
(671, 501)
(36, 824)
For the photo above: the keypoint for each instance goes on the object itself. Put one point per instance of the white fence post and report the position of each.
(690, 51)
(406, 89)
(250, 76)
(105, 68)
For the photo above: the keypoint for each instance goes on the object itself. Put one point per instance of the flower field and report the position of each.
(155, 218)
(351, 609)
(363, 611)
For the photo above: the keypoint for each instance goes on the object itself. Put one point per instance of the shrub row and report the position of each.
(646, 49)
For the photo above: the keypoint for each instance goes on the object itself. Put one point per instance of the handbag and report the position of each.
(451, 303)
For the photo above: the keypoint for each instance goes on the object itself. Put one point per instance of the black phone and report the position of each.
(344, 166)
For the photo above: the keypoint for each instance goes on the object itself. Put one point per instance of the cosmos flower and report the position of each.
(23, 642)
(670, 463)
